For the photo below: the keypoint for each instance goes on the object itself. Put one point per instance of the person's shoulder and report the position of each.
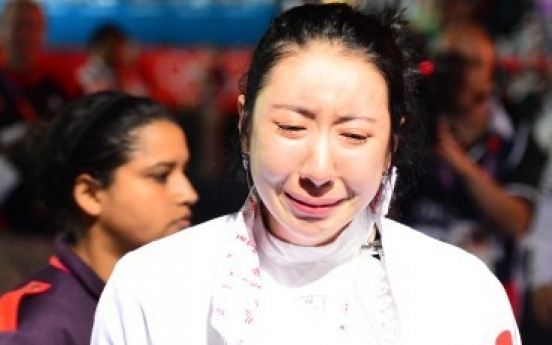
(426, 252)
(199, 243)
(454, 290)
(11, 301)
(207, 236)
(34, 299)
(189, 257)
(16, 338)
(439, 266)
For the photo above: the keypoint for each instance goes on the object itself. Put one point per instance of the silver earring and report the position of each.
(245, 162)
(385, 178)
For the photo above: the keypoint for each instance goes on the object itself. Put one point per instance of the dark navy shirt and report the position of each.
(63, 314)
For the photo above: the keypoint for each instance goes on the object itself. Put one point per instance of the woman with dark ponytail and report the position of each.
(110, 170)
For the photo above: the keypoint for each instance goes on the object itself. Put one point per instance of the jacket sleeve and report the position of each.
(15, 338)
(11, 301)
(119, 318)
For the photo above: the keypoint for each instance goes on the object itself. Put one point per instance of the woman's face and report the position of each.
(150, 196)
(319, 142)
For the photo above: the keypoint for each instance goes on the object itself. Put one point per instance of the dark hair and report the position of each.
(380, 37)
(105, 34)
(439, 89)
(93, 135)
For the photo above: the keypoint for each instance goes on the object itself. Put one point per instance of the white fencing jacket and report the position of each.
(162, 293)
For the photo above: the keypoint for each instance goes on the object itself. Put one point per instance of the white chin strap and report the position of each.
(381, 207)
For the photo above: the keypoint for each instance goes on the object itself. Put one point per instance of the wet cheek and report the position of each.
(273, 160)
(363, 183)
(270, 167)
(364, 175)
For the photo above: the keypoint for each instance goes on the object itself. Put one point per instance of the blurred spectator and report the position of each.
(110, 167)
(218, 126)
(479, 186)
(536, 324)
(112, 64)
(27, 93)
(497, 16)
(543, 125)
(456, 11)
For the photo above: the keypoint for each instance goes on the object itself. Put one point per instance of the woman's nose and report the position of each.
(186, 192)
(318, 168)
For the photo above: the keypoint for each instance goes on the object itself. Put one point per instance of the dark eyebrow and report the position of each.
(299, 110)
(348, 118)
(163, 164)
(311, 115)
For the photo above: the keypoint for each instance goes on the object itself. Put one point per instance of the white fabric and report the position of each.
(162, 293)
(238, 301)
(317, 294)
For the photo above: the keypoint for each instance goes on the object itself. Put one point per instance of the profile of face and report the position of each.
(469, 106)
(23, 34)
(473, 96)
(150, 195)
(319, 141)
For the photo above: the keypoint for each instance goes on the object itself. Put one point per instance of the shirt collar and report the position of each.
(78, 268)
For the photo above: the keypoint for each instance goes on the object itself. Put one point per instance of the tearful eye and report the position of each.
(355, 138)
(291, 131)
(289, 128)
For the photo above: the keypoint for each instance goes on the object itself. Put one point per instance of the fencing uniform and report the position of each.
(224, 282)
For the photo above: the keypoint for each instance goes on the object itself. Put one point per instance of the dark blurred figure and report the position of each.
(499, 17)
(213, 131)
(112, 64)
(536, 322)
(480, 176)
(27, 93)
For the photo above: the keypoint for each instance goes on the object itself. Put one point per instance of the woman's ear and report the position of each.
(242, 125)
(241, 106)
(86, 193)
